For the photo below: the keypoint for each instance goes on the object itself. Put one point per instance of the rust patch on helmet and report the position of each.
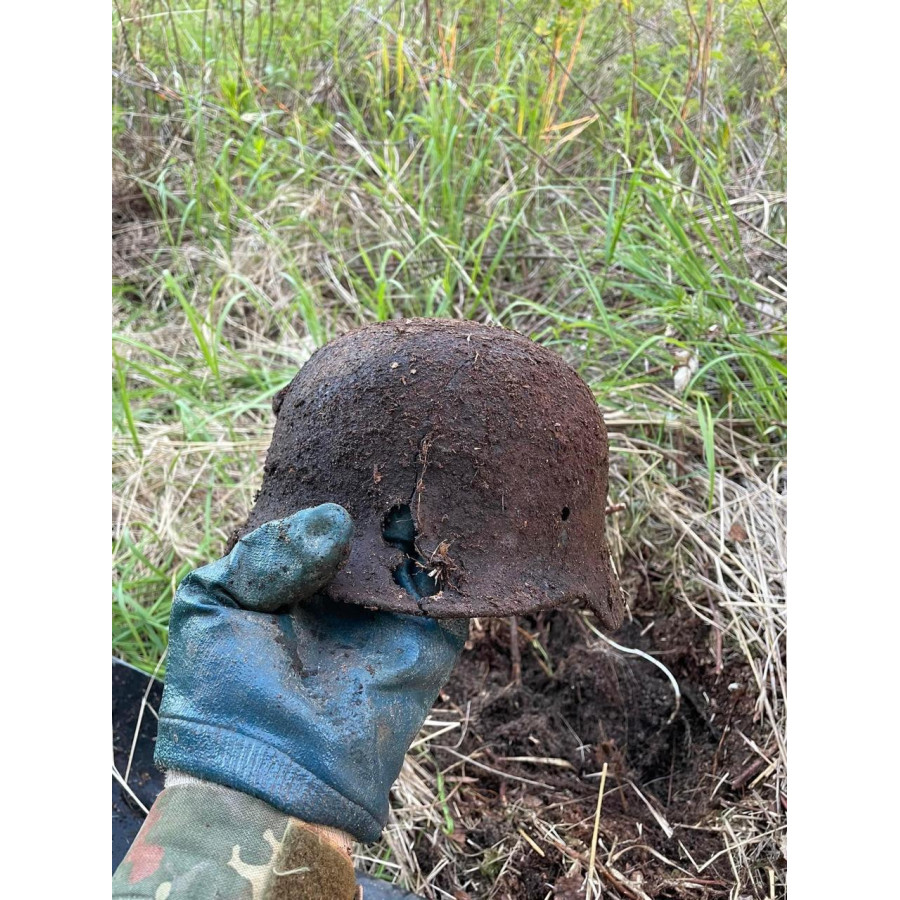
(495, 444)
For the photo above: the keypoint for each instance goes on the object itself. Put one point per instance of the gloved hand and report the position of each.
(279, 692)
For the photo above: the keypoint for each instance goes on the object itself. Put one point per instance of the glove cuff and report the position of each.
(260, 770)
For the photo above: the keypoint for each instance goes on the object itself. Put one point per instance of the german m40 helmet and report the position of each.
(473, 462)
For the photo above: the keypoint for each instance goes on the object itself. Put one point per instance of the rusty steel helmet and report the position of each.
(489, 447)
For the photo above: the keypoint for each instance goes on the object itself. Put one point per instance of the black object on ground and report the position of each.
(131, 688)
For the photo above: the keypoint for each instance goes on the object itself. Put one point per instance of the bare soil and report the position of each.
(593, 705)
(579, 703)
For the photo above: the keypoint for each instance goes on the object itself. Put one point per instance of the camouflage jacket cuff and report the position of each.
(215, 753)
(203, 840)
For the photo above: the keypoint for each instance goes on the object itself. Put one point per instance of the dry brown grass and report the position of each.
(695, 281)
(725, 563)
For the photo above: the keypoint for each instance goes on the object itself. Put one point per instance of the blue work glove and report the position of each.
(279, 692)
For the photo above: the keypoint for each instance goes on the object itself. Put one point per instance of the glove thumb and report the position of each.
(282, 562)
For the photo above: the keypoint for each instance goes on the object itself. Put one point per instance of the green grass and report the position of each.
(606, 177)
(283, 173)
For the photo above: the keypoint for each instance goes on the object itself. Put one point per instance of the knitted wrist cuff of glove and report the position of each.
(252, 767)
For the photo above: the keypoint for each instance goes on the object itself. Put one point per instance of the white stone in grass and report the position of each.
(688, 364)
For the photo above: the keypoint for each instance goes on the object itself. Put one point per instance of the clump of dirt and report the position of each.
(494, 444)
(537, 749)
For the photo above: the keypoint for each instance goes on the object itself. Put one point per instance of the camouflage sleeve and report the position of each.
(203, 841)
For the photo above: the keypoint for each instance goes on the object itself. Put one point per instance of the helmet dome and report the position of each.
(492, 443)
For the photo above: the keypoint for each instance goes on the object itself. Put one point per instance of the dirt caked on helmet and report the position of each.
(484, 449)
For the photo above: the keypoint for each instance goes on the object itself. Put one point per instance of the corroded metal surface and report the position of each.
(493, 442)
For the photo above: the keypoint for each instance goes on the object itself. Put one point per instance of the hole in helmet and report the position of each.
(565, 513)
(399, 530)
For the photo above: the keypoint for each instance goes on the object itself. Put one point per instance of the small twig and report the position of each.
(668, 831)
(781, 52)
(493, 771)
(534, 846)
(540, 761)
(748, 773)
(592, 864)
(131, 793)
(144, 705)
(125, 33)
